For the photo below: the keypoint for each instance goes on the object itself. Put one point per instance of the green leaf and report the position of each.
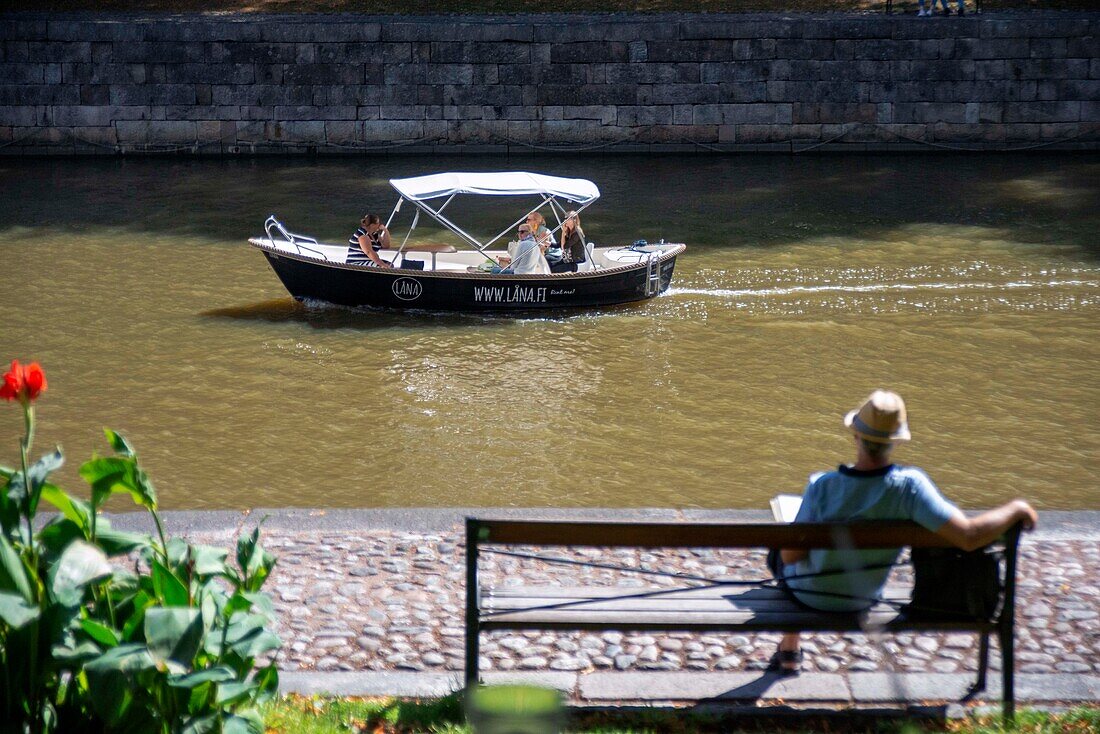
(74, 654)
(178, 552)
(38, 471)
(261, 602)
(173, 633)
(255, 562)
(13, 577)
(229, 693)
(247, 637)
(119, 444)
(6, 472)
(147, 491)
(120, 542)
(72, 508)
(208, 560)
(170, 590)
(100, 632)
(15, 611)
(244, 722)
(142, 602)
(130, 658)
(80, 564)
(110, 474)
(57, 535)
(267, 679)
(211, 675)
(207, 724)
(109, 679)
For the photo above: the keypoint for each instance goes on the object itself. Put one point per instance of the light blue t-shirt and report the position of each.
(891, 493)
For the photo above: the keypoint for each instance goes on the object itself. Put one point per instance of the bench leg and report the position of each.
(1008, 675)
(472, 653)
(983, 661)
(473, 605)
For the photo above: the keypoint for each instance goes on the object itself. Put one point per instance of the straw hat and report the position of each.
(881, 418)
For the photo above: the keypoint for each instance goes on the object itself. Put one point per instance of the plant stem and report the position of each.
(35, 692)
(160, 532)
(24, 449)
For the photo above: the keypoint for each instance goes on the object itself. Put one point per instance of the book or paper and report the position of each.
(785, 507)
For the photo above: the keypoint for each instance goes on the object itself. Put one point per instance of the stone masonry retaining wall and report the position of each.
(264, 83)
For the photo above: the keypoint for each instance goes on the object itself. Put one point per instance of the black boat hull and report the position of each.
(309, 279)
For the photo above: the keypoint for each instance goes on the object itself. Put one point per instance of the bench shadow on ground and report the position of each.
(725, 715)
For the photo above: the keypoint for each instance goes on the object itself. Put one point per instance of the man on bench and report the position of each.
(873, 488)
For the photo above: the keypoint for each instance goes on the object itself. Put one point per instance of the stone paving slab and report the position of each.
(390, 683)
(883, 687)
(564, 682)
(681, 686)
(806, 690)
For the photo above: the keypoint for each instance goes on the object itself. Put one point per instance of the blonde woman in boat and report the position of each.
(542, 235)
(572, 245)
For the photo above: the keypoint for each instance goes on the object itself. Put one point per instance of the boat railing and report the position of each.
(289, 237)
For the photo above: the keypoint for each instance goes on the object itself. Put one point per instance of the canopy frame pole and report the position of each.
(546, 198)
(448, 201)
(396, 208)
(562, 222)
(401, 250)
(555, 205)
(470, 239)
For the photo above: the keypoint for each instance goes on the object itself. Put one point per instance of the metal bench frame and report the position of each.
(868, 534)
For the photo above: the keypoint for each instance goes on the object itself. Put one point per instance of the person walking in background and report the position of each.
(873, 488)
(923, 12)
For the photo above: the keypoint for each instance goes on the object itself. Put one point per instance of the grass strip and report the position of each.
(323, 715)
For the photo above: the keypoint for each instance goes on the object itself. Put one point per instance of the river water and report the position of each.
(970, 284)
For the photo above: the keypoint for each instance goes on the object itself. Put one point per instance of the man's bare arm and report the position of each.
(970, 533)
(793, 556)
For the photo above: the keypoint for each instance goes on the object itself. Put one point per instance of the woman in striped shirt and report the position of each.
(370, 237)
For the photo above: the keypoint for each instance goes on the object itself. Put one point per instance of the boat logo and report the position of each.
(407, 289)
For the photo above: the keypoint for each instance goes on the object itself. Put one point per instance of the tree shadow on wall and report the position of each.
(707, 201)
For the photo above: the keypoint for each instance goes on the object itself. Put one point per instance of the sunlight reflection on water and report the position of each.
(807, 283)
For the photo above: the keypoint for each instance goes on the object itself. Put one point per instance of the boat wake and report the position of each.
(872, 288)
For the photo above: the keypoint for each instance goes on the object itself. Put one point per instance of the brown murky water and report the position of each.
(969, 284)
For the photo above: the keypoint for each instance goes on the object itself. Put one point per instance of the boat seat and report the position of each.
(430, 247)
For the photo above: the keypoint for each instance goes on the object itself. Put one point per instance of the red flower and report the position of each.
(23, 383)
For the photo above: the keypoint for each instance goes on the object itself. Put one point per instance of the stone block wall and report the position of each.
(273, 83)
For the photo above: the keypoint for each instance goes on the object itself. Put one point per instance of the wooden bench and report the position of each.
(714, 606)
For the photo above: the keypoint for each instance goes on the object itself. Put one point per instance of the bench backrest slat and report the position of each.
(864, 534)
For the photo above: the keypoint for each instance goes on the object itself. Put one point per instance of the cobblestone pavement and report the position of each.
(392, 600)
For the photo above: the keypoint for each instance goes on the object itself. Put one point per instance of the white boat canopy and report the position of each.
(503, 183)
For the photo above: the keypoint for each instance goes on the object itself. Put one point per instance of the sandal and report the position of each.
(786, 662)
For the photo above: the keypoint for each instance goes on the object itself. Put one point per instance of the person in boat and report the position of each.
(537, 224)
(527, 257)
(564, 259)
(370, 237)
(873, 488)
